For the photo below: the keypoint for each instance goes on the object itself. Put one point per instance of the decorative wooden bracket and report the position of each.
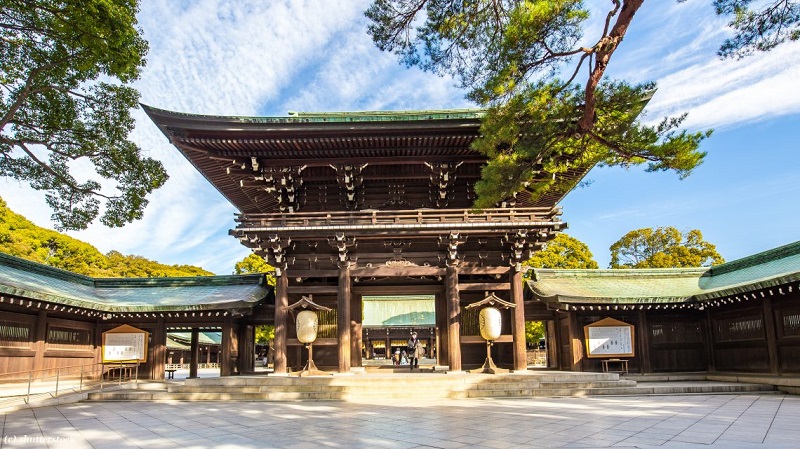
(452, 242)
(520, 248)
(286, 185)
(277, 249)
(342, 245)
(350, 180)
(443, 180)
(491, 300)
(307, 302)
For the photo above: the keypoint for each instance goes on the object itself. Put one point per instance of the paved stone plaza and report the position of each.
(729, 421)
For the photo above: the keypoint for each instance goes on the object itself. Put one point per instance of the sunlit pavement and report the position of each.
(729, 421)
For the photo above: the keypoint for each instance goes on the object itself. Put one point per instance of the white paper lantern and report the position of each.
(491, 323)
(307, 323)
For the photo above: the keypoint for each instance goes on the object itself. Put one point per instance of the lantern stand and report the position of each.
(490, 326)
(306, 322)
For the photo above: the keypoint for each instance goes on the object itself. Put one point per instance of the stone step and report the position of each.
(596, 384)
(420, 386)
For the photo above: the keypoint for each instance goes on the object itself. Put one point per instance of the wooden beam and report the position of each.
(397, 271)
(313, 289)
(305, 274)
(483, 270)
(398, 289)
(484, 286)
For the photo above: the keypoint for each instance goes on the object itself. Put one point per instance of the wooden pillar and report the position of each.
(644, 344)
(39, 344)
(159, 349)
(453, 319)
(710, 345)
(518, 323)
(226, 363)
(575, 343)
(552, 342)
(195, 353)
(355, 331)
(343, 317)
(246, 344)
(769, 330)
(281, 332)
(441, 329)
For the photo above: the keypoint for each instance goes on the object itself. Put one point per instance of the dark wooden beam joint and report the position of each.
(520, 249)
(451, 243)
(277, 248)
(350, 180)
(286, 185)
(342, 245)
(443, 180)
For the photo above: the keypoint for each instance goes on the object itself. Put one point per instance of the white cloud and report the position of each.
(247, 57)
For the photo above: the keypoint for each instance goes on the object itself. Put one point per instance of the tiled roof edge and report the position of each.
(769, 255)
(45, 270)
(553, 273)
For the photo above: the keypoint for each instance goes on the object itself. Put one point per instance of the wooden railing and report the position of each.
(417, 216)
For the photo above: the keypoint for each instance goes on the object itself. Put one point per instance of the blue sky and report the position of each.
(268, 58)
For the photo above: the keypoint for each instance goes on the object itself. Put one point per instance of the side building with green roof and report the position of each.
(51, 318)
(741, 316)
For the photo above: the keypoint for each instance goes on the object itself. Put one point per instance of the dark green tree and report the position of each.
(563, 251)
(507, 54)
(762, 28)
(64, 70)
(663, 247)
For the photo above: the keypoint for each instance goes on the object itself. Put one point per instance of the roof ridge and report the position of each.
(43, 269)
(540, 273)
(769, 255)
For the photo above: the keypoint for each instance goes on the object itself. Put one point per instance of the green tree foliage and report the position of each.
(507, 54)
(21, 238)
(563, 251)
(762, 28)
(255, 264)
(534, 331)
(265, 334)
(663, 248)
(60, 103)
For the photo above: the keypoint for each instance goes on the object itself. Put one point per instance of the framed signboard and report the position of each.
(609, 338)
(125, 344)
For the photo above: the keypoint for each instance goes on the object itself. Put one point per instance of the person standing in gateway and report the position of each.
(415, 351)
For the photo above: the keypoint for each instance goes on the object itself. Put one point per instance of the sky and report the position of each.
(256, 58)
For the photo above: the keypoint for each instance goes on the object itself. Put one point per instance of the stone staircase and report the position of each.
(419, 385)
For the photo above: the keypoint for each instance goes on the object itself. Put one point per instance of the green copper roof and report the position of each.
(31, 280)
(338, 117)
(770, 268)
